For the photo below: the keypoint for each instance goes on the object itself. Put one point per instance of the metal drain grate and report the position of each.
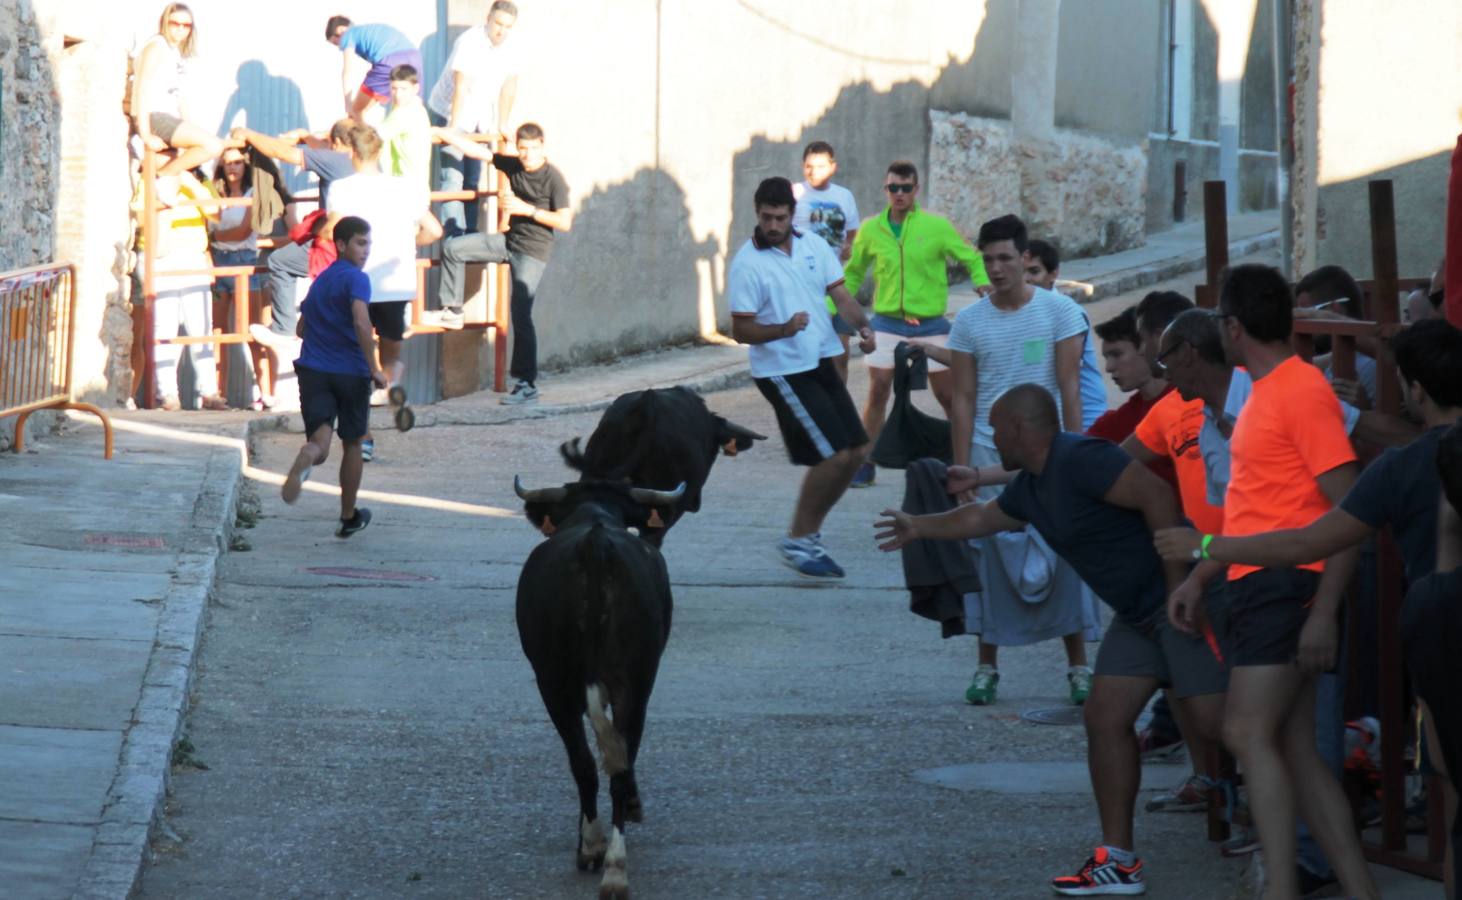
(1053, 715)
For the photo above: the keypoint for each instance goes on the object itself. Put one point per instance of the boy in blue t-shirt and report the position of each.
(336, 368)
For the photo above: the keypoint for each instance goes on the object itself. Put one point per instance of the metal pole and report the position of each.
(1284, 124)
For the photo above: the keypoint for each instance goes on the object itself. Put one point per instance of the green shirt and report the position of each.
(909, 263)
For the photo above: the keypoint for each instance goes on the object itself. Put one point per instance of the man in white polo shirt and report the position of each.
(777, 284)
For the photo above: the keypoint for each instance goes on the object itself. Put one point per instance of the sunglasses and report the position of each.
(900, 188)
(175, 24)
(1165, 354)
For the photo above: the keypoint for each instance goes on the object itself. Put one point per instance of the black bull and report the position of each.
(593, 614)
(658, 439)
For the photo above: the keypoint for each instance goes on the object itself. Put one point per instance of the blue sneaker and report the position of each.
(806, 556)
(864, 476)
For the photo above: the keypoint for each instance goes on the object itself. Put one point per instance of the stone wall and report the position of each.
(1084, 194)
(30, 145)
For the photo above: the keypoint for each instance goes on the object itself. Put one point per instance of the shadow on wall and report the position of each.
(629, 242)
(1343, 218)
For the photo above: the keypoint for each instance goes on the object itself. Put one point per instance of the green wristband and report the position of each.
(1203, 546)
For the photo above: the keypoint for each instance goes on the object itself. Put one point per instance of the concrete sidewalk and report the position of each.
(110, 567)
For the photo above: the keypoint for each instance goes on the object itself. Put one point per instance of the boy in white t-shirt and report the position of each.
(776, 286)
(828, 211)
(399, 213)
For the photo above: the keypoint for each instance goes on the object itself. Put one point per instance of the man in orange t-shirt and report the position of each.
(1291, 461)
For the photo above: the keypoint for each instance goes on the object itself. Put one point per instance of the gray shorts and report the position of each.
(1185, 663)
(164, 125)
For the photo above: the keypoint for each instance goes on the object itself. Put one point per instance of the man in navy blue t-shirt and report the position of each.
(336, 368)
(1097, 508)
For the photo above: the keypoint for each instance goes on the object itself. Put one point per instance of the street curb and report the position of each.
(136, 800)
(1122, 281)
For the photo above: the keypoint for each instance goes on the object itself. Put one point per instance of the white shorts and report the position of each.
(882, 356)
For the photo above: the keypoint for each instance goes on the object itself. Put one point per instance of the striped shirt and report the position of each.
(1013, 347)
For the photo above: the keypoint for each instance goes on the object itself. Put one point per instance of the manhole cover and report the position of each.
(125, 540)
(1053, 715)
(368, 574)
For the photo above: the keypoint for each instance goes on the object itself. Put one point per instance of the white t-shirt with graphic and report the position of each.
(1014, 347)
(393, 207)
(773, 286)
(830, 213)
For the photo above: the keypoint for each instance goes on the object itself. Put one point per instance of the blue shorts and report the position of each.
(224, 284)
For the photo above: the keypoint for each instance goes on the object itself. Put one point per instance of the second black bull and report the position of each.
(658, 439)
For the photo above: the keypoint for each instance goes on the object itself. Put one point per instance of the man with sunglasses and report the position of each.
(908, 249)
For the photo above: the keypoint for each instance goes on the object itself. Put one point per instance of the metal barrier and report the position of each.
(37, 346)
(1382, 293)
(499, 289)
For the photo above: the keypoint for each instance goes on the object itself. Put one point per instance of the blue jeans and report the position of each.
(455, 170)
(527, 272)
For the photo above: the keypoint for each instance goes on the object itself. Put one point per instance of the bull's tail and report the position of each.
(572, 455)
(597, 565)
(611, 743)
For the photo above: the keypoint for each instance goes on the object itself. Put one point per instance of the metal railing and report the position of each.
(37, 346)
(499, 288)
(1395, 711)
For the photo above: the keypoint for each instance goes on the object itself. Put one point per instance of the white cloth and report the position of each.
(773, 286)
(486, 68)
(1014, 347)
(830, 213)
(187, 311)
(393, 207)
(232, 217)
(1028, 593)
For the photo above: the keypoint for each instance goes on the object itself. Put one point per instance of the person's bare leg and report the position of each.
(943, 388)
(1320, 798)
(841, 362)
(821, 488)
(1449, 794)
(1260, 698)
(1111, 753)
(988, 653)
(195, 147)
(358, 105)
(351, 467)
(390, 353)
(1200, 722)
(1075, 648)
(316, 450)
(880, 385)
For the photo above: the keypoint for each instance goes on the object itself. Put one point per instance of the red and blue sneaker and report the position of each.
(1102, 875)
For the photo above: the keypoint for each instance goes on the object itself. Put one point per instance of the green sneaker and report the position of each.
(981, 691)
(1079, 677)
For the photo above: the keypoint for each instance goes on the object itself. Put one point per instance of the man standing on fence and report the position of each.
(537, 203)
(336, 368)
(475, 93)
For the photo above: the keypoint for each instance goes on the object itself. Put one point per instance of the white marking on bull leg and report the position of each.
(615, 885)
(592, 844)
(611, 745)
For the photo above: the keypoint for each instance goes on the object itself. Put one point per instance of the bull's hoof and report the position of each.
(586, 861)
(617, 891)
(633, 810)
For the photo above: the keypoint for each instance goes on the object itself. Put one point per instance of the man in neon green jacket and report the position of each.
(908, 249)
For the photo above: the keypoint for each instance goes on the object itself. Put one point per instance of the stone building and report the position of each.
(1096, 120)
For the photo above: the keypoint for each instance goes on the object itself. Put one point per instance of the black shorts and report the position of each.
(389, 319)
(340, 401)
(1266, 610)
(814, 412)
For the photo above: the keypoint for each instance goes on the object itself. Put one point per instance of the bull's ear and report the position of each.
(654, 521)
(733, 438)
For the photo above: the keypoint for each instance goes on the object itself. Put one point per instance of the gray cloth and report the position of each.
(1001, 613)
(937, 573)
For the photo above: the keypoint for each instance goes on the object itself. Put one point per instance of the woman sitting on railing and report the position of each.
(157, 94)
(233, 243)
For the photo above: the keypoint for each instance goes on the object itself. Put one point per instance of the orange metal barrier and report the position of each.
(37, 330)
(499, 288)
(1382, 293)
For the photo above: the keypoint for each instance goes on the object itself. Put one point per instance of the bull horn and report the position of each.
(651, 497)
(538, 495)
